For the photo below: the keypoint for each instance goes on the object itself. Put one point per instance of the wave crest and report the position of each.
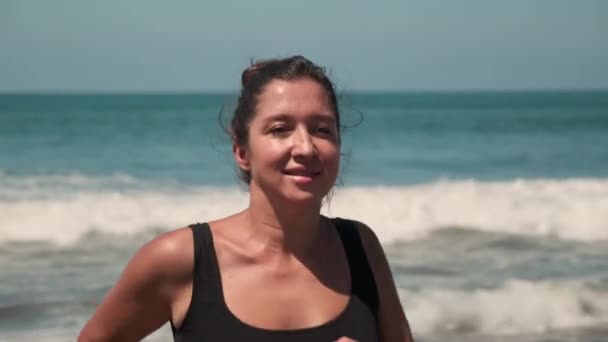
(517, 307)
(575, 209)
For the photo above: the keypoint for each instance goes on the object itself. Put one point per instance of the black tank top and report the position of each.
(209, 319)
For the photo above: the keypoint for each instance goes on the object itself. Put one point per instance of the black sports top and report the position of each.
(209, 319)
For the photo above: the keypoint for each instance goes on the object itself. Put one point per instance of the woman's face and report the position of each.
(293, 150)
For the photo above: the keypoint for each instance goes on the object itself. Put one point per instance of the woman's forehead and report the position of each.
(296, 88)
(300, 97)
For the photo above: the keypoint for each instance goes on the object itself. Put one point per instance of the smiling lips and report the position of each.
(302, 175)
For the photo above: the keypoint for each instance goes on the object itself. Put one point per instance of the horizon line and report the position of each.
(355, 92)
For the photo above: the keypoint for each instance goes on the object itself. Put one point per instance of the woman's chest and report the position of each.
(278, 300)
(210, 322)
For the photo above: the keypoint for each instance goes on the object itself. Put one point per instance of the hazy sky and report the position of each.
(150, 45)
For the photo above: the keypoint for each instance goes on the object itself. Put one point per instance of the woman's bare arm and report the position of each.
(142, 299)
(393, 326)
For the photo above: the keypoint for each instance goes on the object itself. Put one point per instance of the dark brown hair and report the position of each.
(255, 78)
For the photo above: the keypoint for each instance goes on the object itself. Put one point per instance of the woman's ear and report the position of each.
(241, 157)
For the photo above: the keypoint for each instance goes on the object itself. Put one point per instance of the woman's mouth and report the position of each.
(302, 176)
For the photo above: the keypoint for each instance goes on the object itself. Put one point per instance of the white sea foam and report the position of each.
(575, 209)
(62, 210)
(517, 307)
(63, 220)
(12, 187)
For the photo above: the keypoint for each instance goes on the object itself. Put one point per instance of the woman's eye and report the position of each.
(323, 130)
(279, 130)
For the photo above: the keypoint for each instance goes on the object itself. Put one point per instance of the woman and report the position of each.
(279, 270)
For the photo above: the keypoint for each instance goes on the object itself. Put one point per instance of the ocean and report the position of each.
(492, 206)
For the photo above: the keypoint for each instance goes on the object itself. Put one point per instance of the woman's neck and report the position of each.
(283, 227)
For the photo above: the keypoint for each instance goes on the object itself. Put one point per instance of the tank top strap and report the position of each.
(206, 282)
(363, 282)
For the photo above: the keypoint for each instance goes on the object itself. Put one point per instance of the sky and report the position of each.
(194, 46)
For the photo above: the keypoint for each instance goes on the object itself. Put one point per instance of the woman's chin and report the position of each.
(303, 197)
(301, 194)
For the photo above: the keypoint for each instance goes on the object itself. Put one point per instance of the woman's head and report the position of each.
(254, 80)
(287, 121)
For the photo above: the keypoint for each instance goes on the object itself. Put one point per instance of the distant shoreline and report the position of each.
(455, 98)
(351, 92)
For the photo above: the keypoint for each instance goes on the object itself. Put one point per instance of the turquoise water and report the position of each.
(401, 139)
(492, 207)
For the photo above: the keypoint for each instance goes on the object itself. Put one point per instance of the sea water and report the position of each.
(492, 207)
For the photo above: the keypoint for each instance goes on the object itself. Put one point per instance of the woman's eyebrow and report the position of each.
(317, 117)
(278, 117)
(328, 118)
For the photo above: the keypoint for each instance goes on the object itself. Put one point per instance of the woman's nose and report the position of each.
(303, 144)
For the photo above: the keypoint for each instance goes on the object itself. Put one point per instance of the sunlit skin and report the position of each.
(293, 150)
(269, 254)
(293, 154)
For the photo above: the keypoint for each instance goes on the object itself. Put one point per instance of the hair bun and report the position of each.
(250, 72)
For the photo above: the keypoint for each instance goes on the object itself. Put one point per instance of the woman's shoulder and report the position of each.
(142, 298)
(169, 256)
